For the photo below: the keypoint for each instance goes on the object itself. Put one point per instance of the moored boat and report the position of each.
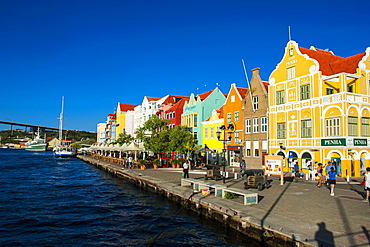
(64, 149)
(37, 144)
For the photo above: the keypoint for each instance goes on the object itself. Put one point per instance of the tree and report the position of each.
(124, 138)
(154, 134)
(182, 140)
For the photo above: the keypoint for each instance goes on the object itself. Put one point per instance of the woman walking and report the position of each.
(367, 184)
(332, 181)
(319, 174)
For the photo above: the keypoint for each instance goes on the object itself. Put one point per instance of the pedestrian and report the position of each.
(367, 184)
(327, 169)
(185, 169)
(130, 162)
(332, 180)
(242, 165)
(319, 174)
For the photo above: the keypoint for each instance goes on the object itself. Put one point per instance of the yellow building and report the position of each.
(121, 117)
(209, 136)
(319, 109)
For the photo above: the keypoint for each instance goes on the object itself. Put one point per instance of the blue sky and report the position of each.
(99, 53)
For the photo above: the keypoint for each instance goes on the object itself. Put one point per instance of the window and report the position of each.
(291, 51)
(237, 140)
(280, 97)
(236, 116)
(263, 124)
(232, 99)
(255, 103)
(256, 153)
(329, 91)
(229, 117)
(305, 92)
(195, 120)
(306, 128)
(352, 126)
(365, 126)
(290, 73)
(248, 152)
(247, 126)
(212, 134)
(350, 88)
(255, 125)
(281, 131)
(332, 126)
(206, 133)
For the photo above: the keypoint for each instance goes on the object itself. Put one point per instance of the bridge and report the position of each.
(33, 127)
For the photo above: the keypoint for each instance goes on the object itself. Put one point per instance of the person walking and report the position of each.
(319, 174)
(185, 168)
(327, 170)
(242, 165)
(332, 181)
(367, 184)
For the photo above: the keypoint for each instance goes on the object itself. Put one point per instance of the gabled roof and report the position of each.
(331, 64)
(203, 96)
(266, 85)
(220, 111)
(179, 105)
(173, 99)
(242, 91)
(126, 107)
(152, 98)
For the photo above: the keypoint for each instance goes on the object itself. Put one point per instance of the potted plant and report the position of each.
(179, 163)
(173, 163)
(142, 164)
(156, 163)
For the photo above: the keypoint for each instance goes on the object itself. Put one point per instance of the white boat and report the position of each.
(37, 144)
(63, 149)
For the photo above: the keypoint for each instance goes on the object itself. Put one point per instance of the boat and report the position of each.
(37, 144)
(63, 149)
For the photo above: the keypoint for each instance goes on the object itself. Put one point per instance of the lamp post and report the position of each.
(223, 128)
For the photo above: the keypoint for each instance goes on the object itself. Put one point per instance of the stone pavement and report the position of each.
(296, 208)
(300, 208)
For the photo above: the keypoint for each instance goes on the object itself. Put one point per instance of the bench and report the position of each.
(249, 197)
(191, 181)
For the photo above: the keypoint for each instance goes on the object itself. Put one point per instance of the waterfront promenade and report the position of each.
(297, 209)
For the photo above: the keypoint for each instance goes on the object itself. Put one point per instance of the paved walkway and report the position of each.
(296, 208)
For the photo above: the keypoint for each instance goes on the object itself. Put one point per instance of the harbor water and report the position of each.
(47, 201)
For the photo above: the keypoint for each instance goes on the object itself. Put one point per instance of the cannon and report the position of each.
(213, 171)
(255, 179)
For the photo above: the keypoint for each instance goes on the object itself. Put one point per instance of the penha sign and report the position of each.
(333, 142)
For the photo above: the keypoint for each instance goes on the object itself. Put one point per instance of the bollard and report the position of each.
(235, 175)
(307, 176)
(227, 175)
(347, 178)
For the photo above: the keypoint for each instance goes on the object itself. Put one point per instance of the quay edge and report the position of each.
(212, 209)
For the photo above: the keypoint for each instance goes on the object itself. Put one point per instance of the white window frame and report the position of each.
(332, 127)
(255, 125)
(290, 73)
(263, 124)
(247, 126)
(255, 103)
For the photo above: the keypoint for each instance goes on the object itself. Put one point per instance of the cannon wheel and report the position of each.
(260, 187)
(246, 186)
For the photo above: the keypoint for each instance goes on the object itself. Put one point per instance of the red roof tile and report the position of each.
(152, 98)
(331, 64)
(242, 91)
(126, 107)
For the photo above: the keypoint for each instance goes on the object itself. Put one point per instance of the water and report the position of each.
(65, 202)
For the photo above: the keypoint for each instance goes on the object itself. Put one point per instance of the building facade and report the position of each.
(319, 109)
(255, 134)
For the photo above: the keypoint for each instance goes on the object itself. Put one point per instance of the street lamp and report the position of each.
(223, 128)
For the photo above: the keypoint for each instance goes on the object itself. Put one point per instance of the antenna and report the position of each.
(290, 37)
(249, 85)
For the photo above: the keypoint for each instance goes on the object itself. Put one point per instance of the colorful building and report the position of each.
(209, 135)
(319, 109)
(255, 136)
(232, 111)
(121, 112)
(199, 108)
